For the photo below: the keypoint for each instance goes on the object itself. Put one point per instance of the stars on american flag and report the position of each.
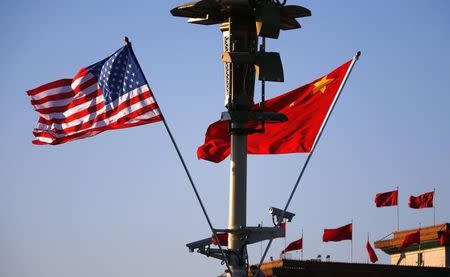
(118, 74)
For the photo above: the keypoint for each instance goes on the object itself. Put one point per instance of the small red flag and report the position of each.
(422, 201)
(410, 239)
(444, 238)
(223, 239)
(385, 199)
(338, 234)
(306, 107)
(372, 256)
(295, 245)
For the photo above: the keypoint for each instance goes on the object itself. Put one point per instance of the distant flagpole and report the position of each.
(434, 207)
(349, 70)
(285, 235)
(180, 156)
(369, 242)
(303, 243)
(351, 243)
(398, 211)
(261, 243)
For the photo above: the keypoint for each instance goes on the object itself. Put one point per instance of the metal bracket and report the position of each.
(255, 234)
(253, 117)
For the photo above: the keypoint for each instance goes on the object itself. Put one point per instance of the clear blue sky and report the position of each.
(119, 204)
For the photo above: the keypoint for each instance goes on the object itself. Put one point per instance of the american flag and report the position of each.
(110, 94)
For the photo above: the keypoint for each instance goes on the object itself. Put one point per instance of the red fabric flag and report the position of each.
(372, 256)
(444, 238)
(295, 245)
(306, 107)
(387, 199)
(422, 201)
(341, 233)
(223, 239)
(410, 239)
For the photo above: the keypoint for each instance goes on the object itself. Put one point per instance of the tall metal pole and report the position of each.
(239, 35)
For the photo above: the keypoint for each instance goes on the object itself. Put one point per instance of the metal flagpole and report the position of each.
(355, 58)
(261, 244)
(351, 243)
(285, 235)
(420, 240)
(368, 242)
(180, 156)
(398, 211)
(303, 243)
(434, 208)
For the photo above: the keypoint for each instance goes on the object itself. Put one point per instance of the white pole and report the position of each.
(398, 211)
(351, 243)
(434, 208)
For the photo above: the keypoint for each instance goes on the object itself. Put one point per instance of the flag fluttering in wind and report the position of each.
(307, 109)
(422, 201)
(444, 238)
(372, 255)
(110, 94)
(410, 239)
(386, 199)
(295, 245)
(338, 234)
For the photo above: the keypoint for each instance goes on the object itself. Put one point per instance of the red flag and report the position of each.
(444, 238)
(341, 233)
(422, 201)
(223, 239)
(387, 199)
(306, 107)
(372, 256)
(410, 239)
(295, 245)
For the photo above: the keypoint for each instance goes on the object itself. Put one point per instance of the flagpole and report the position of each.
(434, 207)
(351, 243)
(368, 242)
(180, 156)
(260, 244)
(303, 244)
(285, 235)
(398, 211)
(355, 58)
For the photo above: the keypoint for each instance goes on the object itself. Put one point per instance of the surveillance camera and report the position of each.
(199, 244)
(278, 213)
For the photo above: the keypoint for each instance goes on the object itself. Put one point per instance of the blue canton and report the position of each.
(118, 74)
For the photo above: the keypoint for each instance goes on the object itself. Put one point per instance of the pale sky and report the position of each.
(119, 204)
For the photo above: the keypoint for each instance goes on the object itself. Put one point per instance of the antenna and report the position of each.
(242, 22)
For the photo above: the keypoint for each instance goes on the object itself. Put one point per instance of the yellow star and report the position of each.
(321, 85)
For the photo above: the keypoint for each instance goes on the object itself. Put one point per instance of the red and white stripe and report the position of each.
(71, 109)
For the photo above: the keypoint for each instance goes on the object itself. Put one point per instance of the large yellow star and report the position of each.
(321, 85)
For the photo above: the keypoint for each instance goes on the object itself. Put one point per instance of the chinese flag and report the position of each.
(385, 199)
(422, 201)
(444, 237)
(306, 107)
(372, 256)
(410, 239)
(295, 245)
(223, 239)
(341, 233)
